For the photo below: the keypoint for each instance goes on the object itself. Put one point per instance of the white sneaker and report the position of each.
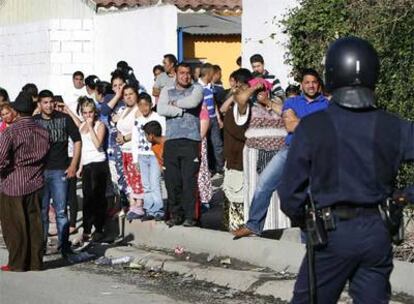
(81, 239)
(122, 213)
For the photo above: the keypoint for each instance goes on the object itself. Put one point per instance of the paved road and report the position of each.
(66, 286)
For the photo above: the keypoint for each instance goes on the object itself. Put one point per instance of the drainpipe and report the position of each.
(180, 44)
(180, 40)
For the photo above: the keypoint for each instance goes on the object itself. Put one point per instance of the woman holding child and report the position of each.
(125, 124)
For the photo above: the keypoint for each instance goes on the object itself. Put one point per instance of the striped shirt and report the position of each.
(277, 90)
(208, 98)
(23, 148)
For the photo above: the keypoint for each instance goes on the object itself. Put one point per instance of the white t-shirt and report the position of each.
(140, 144)
(91, 154)
(71, 100)
(125, 125)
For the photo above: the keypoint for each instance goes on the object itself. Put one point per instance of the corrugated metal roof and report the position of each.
(208, 24)
(218, 5)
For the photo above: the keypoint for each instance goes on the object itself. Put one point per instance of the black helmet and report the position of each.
(351, 62)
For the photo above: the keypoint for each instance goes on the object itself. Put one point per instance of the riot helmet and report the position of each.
(351, 72)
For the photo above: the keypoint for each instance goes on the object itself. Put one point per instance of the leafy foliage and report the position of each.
(387, 24)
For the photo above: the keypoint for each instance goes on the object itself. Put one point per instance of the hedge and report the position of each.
(387, 24)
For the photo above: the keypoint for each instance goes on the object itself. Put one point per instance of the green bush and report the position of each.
(387, 24)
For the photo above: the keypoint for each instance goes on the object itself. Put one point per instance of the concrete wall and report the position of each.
(27, 11)
(260, 20)
(71, 48)
(48, 52)
(45, 53)
(141, 37)
(24, 56)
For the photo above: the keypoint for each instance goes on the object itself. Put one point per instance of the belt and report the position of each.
(347, 212)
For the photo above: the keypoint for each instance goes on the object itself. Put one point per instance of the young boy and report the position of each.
(153, 133)
(145, 159)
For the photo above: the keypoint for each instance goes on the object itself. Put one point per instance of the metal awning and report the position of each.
(208, 24)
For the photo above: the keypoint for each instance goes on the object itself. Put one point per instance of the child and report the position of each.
(144, 157)
(153, 133)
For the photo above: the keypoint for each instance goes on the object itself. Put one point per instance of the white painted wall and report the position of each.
(28, 11)
(48, 52)
(141, 37)
(45, 53)
(259, 20)
(24, 56)
(71, 48)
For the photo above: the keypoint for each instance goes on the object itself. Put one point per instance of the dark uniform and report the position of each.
(348, 157)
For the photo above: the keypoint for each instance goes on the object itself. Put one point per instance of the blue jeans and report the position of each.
(56, 188)
(268, 182)
(151, 179)
(216, 141)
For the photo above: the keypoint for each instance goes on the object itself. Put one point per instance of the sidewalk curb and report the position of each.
(240, 280)
(277, 255)
(259, 283)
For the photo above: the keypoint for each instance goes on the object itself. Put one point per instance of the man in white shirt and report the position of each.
(71, 100)
(78, 90)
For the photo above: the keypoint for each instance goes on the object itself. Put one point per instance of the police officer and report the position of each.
(347, 157)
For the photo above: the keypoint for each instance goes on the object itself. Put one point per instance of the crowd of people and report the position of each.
(121, 142)
(330, 169)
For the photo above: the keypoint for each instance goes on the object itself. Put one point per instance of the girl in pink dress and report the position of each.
(125, 124)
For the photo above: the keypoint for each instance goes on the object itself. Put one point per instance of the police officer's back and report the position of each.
(348, 157)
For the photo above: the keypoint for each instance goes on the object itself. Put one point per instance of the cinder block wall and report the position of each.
(71, 48)
(45, 53)
(48, 52)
